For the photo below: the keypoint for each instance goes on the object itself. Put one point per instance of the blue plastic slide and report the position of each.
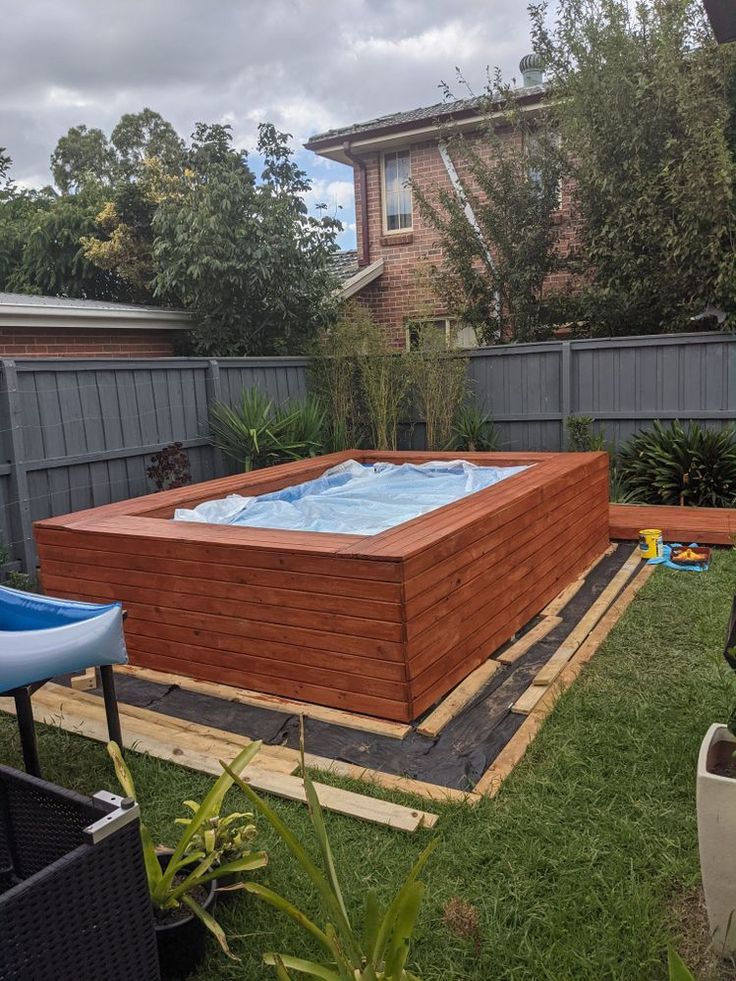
(41, 637)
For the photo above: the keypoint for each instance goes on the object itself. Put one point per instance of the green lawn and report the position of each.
(582, 868)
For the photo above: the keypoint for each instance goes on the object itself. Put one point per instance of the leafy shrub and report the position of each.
(257, 434)
(474, 430)
(582, 437)
(677, 465)
(306, 426)
(21, 581)
(169, 468)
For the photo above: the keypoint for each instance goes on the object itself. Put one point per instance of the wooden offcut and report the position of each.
(349, 720)
(569, 592)
(458, 699)
(85, 681)
(582, 628)
(525, 643)
(382, 625)
(546, 675)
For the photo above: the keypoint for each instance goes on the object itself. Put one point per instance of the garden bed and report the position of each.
(384, 624)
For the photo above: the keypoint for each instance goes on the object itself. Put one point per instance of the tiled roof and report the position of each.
(344, 264)
(440, 110)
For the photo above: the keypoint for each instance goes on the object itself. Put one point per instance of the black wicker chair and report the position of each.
(74, 901)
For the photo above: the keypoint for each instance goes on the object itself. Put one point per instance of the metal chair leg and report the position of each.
(114, 731)
(24, 714)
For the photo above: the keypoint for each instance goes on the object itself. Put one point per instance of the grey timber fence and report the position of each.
(78, 433)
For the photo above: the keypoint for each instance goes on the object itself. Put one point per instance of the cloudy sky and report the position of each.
(305, 65)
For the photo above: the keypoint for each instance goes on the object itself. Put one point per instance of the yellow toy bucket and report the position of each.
(650, 543)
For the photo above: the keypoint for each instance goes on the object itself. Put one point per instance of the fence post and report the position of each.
(20, 497)
(214, 394)
(566, 391)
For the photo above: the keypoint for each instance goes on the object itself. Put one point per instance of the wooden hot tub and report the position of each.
(384, 625)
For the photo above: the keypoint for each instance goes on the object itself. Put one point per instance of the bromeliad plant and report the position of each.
(190, 867)
(380, 950)
(227, 836)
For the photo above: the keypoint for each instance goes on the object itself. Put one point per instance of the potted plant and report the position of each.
(716, 806)
(182, 881)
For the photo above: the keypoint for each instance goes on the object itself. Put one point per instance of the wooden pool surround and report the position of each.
(383, 625)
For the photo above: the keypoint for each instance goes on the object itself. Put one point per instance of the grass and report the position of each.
(577, 870)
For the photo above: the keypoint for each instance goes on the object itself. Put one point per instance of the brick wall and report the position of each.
(44, 342)
(402, 291)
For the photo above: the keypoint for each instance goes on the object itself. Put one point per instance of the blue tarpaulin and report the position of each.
(354, 498)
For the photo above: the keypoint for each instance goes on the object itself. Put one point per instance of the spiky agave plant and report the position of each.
(255, 433)
(304, 427)
(380, 950)
(474, 430)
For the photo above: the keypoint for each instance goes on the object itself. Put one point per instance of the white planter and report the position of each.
(716, 801)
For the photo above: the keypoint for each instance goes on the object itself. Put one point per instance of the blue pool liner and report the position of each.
(354, 498)
(41, 637)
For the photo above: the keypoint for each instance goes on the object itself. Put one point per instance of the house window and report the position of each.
(462, 337)
(534, 150)
(396, 191)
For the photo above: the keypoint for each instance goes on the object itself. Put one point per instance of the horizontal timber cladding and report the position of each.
(384, 625)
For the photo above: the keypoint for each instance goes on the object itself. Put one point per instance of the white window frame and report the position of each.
(450, 328)
(384, 196)
(559, 182)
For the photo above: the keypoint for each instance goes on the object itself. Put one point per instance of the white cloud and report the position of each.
(303, 65)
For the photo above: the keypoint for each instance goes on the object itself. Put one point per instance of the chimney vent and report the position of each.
(531, 67)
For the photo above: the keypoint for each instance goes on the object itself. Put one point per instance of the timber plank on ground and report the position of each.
(349, 720)
(186, 744)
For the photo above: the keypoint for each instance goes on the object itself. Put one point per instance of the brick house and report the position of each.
(394, 244)
(58, 327)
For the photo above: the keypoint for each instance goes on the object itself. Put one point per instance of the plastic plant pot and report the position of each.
(182, 942)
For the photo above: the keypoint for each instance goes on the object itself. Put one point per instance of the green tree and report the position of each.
(640, 93)
(497, 229)
(82, 157)
(149, 156)
(245, 256)
(53, 262)
(144, 136)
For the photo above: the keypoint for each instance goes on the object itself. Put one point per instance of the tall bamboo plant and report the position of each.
(386, 383)
(336, 378)
(439, 381)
